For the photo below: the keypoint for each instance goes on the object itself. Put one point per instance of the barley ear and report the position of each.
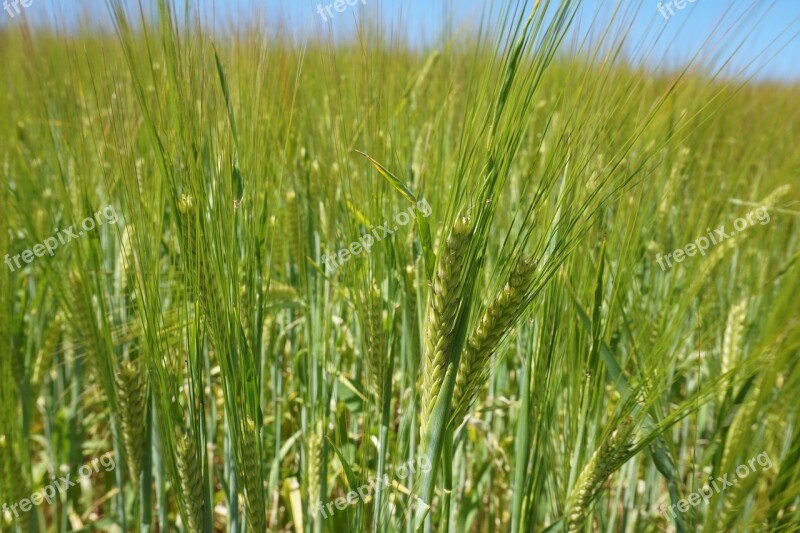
(279, 292)
(190, 474)
(496, 322)
(191, 248)
(84, 324)
(314, 469)
(132, 403)
(375, 340)
(293, 228)
(611, 454)
(188, 229)
(410, 280)
(197, 261)
(446, 294)
(6, 517)
(254, 496)
(732, 338)
(295, 244)
(127, 258)
(16, 484)
(17, 357)
(44, 358)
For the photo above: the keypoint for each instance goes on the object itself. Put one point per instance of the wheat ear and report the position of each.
(496, 322)
(446, 293)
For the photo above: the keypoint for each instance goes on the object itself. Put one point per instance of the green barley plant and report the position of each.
(339, 254)
(132, 398)
(440, 331)
(191, 482)
(605, 460)
(475, 362)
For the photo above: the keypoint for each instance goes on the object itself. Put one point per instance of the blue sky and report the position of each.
(765, 32)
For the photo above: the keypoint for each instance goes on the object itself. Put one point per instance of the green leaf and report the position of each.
(422, 222)
(352, 479)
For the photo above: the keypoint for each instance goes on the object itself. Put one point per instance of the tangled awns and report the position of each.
(498, 266)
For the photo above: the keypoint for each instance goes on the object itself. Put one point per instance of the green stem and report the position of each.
(447, 471)
(146, 478)
(435, 442)
(522, 443)
(161, 481)
(233, 485)
(386, 414)
(384, 438)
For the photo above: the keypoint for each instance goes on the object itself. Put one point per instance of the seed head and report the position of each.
(445, 298)
(190, 473)
(611, 454)
(494, 325)
(132, 403)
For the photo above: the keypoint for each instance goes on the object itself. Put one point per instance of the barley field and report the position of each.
(524, 276)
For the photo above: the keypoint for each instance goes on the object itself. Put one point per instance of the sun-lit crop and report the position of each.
(354, 284)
